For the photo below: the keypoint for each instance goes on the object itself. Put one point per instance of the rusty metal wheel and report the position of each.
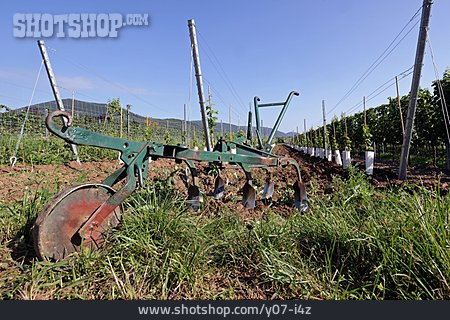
(55, 232)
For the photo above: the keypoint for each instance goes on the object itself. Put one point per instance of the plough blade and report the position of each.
(268, 190)
(219, 188)
(249, 196)
(195, 198)
(301, 199)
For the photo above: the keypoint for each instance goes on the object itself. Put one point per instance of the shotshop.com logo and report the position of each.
(74, 25)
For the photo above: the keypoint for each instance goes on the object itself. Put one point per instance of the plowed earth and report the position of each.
(14, 183)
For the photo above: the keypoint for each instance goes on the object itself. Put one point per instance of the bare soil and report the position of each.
(384, 174)
(15, 182)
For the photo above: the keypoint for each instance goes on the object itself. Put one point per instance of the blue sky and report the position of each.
(266, 48)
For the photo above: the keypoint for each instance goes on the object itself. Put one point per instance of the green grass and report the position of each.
(35, 150)
(357, 243)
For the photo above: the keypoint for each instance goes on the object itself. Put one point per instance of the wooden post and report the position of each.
(324, 128)
(426, 9)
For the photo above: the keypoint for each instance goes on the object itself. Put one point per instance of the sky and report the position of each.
(261, 48)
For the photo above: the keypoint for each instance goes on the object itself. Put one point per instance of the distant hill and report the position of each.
(98, 110)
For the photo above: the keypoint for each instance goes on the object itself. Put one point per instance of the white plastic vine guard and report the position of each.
(337, 157)
(346, 159)
(370, 160)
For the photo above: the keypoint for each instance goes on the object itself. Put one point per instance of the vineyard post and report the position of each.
(345, 126)
(121, 120)
(262, 128)
(146, 125)
(184, 131)
(188, 130)
(365, 119)
(324, 130)
(51, 78)
(399, 106)
(304, 130)
(426, 8)
(46, 129)
(239, 122)
(128, 120)
(334, 133)
(198, 76)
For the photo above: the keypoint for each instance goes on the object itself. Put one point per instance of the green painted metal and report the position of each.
(249, 127)
(285, 105)
(135, 156)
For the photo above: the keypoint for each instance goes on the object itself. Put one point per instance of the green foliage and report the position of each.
(229, 137)
(168, 138)
(148, 133)
(334, 127)
(211, 114)
(367, 137)
(280, 140)
(347, 143)
(113, 107)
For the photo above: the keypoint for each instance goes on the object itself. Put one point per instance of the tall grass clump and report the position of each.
(380, 244)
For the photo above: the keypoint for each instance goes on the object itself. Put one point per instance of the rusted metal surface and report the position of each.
(55, 231)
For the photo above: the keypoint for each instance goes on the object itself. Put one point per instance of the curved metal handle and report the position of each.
(80, 136)
(51, 125)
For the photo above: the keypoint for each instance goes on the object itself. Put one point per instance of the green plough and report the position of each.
(82, 215)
